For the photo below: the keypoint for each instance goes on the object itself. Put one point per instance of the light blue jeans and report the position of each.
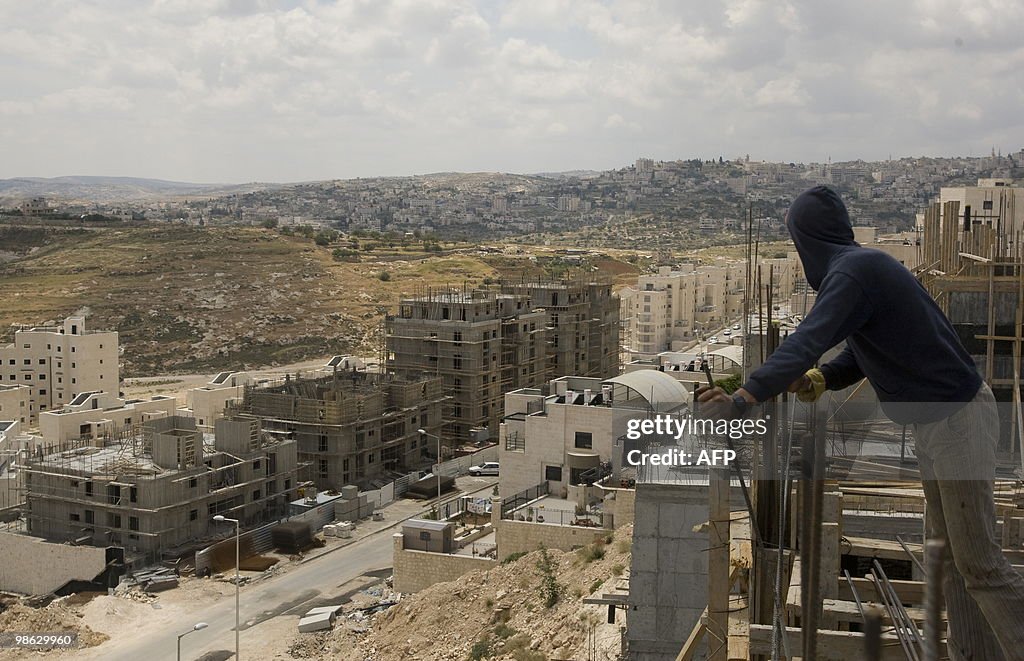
(984, 595)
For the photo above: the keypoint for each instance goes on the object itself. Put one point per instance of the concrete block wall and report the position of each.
(33, 566)
(668, 572)
(622, 507)
(416, 570)
(524, 536)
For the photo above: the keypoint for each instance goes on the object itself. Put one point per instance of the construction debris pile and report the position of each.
(52, 618)
(500, 614)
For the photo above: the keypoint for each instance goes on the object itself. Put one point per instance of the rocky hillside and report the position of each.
(530, 609)
(201, 299)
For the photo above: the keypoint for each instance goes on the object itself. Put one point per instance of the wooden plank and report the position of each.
(693, 640)
(832, 645)
(829, 568)
(909, 592)
(718, 565)
(867, 547)
(739, 628)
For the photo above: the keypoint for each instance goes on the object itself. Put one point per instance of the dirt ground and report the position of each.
(178, 385)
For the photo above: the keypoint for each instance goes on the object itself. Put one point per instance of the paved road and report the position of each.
(323, 580)
(313, 581)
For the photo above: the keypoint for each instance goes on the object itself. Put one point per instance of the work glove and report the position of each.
(814, 387)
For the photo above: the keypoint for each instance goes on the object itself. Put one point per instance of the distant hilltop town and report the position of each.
(707, 195)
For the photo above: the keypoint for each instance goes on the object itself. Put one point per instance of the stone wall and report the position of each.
(416, 570)
(524, 536)
(34, 566)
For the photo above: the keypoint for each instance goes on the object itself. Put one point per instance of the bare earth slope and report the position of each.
(188, 299)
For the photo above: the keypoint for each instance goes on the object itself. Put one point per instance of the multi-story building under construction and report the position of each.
(485, 343)
(350, 426)
(583, 324)
(480, 343)
(157, 486)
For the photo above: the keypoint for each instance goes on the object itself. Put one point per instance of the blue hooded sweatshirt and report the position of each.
(895, 334)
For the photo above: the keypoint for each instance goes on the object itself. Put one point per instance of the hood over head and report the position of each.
(821, 229)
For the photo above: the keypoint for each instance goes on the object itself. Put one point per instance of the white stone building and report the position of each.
(565, 434)
(98, 415)
(56, 363)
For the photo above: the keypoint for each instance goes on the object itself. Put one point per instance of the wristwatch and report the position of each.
(740, 404)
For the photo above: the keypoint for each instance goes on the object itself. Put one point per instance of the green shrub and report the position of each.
(481, 649)
(551, 590)
(591, 553)
(504, 631)
(512, 557)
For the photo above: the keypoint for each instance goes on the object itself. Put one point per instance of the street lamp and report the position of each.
(220, 518)
(437, 471)
(197, 627)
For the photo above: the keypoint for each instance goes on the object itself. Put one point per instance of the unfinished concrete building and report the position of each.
(481, 344)
(350, 427)
(158, 486)
(583, 323)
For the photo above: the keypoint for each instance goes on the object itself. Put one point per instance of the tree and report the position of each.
(269, 223)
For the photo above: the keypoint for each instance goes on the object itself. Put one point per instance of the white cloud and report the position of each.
(231, 90)
(781, 92)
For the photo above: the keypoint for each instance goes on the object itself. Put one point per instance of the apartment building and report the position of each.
(481, 344)
(158, 486)
(992, 203)
(670, 309)
(207, 403)
(99, 415)
(56, 363)
(565, 434)
(582, 320)
(14, 401)
(350, 427)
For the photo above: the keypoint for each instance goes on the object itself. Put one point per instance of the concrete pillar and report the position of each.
(495, 512)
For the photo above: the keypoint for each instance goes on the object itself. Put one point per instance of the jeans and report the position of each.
(984, 595)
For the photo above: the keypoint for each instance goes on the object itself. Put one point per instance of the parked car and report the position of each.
(713, 340)
(486, 468)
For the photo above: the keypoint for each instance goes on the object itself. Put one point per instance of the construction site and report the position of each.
(483, 343)
(350, 427)
(155, 487)
(816, 548)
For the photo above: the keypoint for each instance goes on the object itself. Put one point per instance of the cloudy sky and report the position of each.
(244, 90)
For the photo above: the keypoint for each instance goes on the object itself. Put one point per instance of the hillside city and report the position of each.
(385, 418)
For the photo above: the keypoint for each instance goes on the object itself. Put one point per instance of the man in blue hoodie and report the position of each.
(899, 339)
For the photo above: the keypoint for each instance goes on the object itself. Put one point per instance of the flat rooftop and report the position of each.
(113, 459)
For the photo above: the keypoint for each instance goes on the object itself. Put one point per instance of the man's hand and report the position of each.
(801, 384)
(709, 394)
(810, 386)
(716, 403)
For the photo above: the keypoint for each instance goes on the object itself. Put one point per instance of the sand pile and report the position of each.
(51, 619)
